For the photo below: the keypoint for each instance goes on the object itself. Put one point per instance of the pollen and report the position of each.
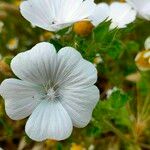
(83, 28)
(51, 94)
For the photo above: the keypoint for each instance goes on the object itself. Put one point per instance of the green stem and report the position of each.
(116, 131)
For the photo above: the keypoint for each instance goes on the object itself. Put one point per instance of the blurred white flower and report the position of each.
(100, 14)
(142, 7)
(1, 26)
(13, 44)
(91, 147)
(121, 15)
(1, 57)
(147, 43)
(56, 89)
(111, 91)
(54, 15)
(98, 59)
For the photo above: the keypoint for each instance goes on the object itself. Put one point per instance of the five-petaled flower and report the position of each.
(56, 90)
(54, 15)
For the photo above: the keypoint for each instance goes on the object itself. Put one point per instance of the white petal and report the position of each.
(142, 7)
(82, 74)
(39, 12)
(67, 59)
(85, 10)
(121, 14)
(137, 4)
(49, 121)
(20, 97)
(145, 11)
(36, 65)
(79, 103)
(100, 14)
(53, 15)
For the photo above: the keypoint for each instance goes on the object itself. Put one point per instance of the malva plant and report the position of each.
(78, 64)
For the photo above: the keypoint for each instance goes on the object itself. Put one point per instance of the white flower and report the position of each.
(111, 91)
(1, 56)
(121, 14)
(147, 43)
(91, 147)
(13, 44)
(1, 26)
(56, 89)
(54, 15)
(142, 7)
(100, 14)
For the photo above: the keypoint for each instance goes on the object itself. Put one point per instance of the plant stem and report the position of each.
(118, 132)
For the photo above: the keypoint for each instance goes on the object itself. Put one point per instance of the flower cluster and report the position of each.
(56, 15)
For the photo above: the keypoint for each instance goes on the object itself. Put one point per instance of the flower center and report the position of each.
(51, 94)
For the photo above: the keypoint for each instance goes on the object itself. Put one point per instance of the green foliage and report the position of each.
(118, 99)
(113, 109)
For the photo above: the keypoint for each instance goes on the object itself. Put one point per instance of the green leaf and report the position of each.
(118, 99)
(56, 43)
(115, 49)
(101, 31)
(8, 59)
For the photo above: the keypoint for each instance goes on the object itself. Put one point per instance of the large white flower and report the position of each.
(100, 14)
(54, 15)
(56, 89)
(121, 14)
(142, 7)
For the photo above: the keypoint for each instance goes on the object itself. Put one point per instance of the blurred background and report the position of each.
(121, 120)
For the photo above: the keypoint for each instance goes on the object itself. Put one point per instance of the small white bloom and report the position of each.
(142, 7)
(98, 59)
(1, 26)
(111, 91)
(147, 43)
(100, 14)
(91, 147)
(54, 15)
(13, 44)
(121, 14)
(56, 89)
(1, 57)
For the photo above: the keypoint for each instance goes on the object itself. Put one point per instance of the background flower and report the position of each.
(100, 14)
(55, 15)
(121, 14)
(142, 7)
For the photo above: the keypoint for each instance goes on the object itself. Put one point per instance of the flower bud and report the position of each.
(143, 60)
(12, 44)
(83, 28)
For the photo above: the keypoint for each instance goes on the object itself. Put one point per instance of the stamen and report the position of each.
(51, 94)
